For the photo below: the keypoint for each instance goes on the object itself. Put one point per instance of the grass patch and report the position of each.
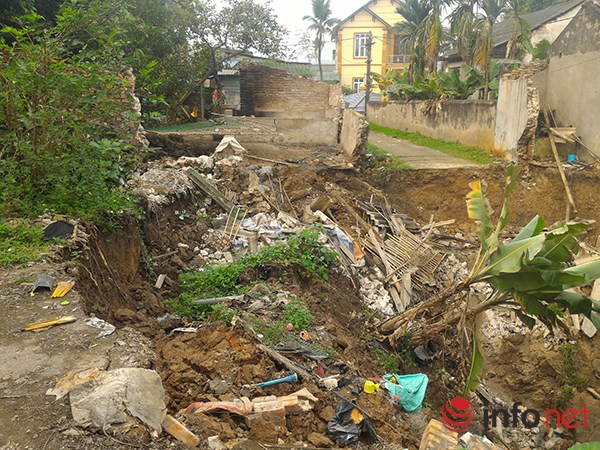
(20, 244)
(571, 382)
(301, 251)
(298, 315)
(376, 156)
(450, 148)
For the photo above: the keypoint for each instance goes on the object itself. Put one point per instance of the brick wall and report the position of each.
(268, 92)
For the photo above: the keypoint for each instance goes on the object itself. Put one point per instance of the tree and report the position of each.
(322, 24)
(66, 115)
(239, 27)
(9, 11)
(465, 29)
(412, 32)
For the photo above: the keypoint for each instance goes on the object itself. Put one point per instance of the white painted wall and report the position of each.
(551, 30)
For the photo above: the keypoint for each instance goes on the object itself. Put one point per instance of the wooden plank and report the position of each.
(393, 290)
(210, 189)
(562, 173)
(215, 300)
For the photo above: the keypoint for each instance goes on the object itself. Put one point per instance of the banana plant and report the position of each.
(532, 274)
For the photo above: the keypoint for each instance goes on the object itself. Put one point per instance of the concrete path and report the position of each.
(417, 156)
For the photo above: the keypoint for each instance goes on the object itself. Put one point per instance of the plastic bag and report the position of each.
(341, 428)
(410, 389)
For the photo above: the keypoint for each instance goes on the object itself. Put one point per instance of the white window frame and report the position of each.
(357, 83)
(360, 45)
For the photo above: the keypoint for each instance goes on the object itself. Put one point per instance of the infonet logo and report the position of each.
(458, 413)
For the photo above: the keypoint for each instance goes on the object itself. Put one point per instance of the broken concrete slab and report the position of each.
(588, 327)
(119, 397)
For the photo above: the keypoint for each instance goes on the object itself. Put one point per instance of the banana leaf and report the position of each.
(512, 173)
(511, 258)
(590, 271)
(476, 368)
(533, 228)
(478, 210)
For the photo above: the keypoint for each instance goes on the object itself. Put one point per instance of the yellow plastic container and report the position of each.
(370, 387)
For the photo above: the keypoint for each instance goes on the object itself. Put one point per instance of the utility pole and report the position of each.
(369, 61)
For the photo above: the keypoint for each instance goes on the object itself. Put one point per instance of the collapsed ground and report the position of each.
(117, 272)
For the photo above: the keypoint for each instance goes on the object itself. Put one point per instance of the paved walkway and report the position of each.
(417, 156)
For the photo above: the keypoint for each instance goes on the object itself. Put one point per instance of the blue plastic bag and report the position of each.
(410, 389)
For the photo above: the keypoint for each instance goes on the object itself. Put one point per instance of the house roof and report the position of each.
(503, 30)
(356, 101)
(366, 8)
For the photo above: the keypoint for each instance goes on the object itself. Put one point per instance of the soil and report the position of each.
(442, 193)
(115, 278)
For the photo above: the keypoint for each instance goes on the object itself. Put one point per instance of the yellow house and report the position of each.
(377, 17)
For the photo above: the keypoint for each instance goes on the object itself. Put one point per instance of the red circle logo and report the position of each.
(457, 414)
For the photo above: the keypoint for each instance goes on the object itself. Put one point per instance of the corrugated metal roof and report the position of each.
(503, 30)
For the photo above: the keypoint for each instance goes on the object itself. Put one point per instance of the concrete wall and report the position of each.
(551, 30)
(268, 92)
(306, 131)
(511, 115)
(466, 121)
(570, 85)
(355, 131)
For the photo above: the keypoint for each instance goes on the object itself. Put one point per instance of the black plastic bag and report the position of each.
(341, 428)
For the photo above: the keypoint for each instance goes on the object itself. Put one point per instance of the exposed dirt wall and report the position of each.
(442, 193)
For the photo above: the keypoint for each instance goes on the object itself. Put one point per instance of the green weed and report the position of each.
(298, 315)
(571, 382)
(302, 251)
(450, 148)
(377, 157)
(20, 244)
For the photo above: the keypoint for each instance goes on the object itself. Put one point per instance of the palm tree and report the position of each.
(492, 10)
(412, 32)
(465, 29)
(322, 24)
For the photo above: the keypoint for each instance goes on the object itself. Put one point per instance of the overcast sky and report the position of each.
(291, 12)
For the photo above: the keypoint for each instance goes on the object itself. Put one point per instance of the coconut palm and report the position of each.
(322, 24)
(411, 33)
(465, 29)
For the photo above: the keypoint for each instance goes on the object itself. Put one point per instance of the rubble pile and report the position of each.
(290, 360)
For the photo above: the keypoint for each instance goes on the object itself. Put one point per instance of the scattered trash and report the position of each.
(72, 380)
(292, 378)
(184, 330)
(160, 281)
(409, 389)
(214, 443)
(118, 397)
(330, 383)
(63, 289)
(370, 387)
(65, 303)
(348, 423)
(58, 230)
(422, 354)
(229, 142)
(44, 325)
(104, 327)
(179, 431)
(43, 282)
(305, 393)
(305, 336)
(242, 407)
